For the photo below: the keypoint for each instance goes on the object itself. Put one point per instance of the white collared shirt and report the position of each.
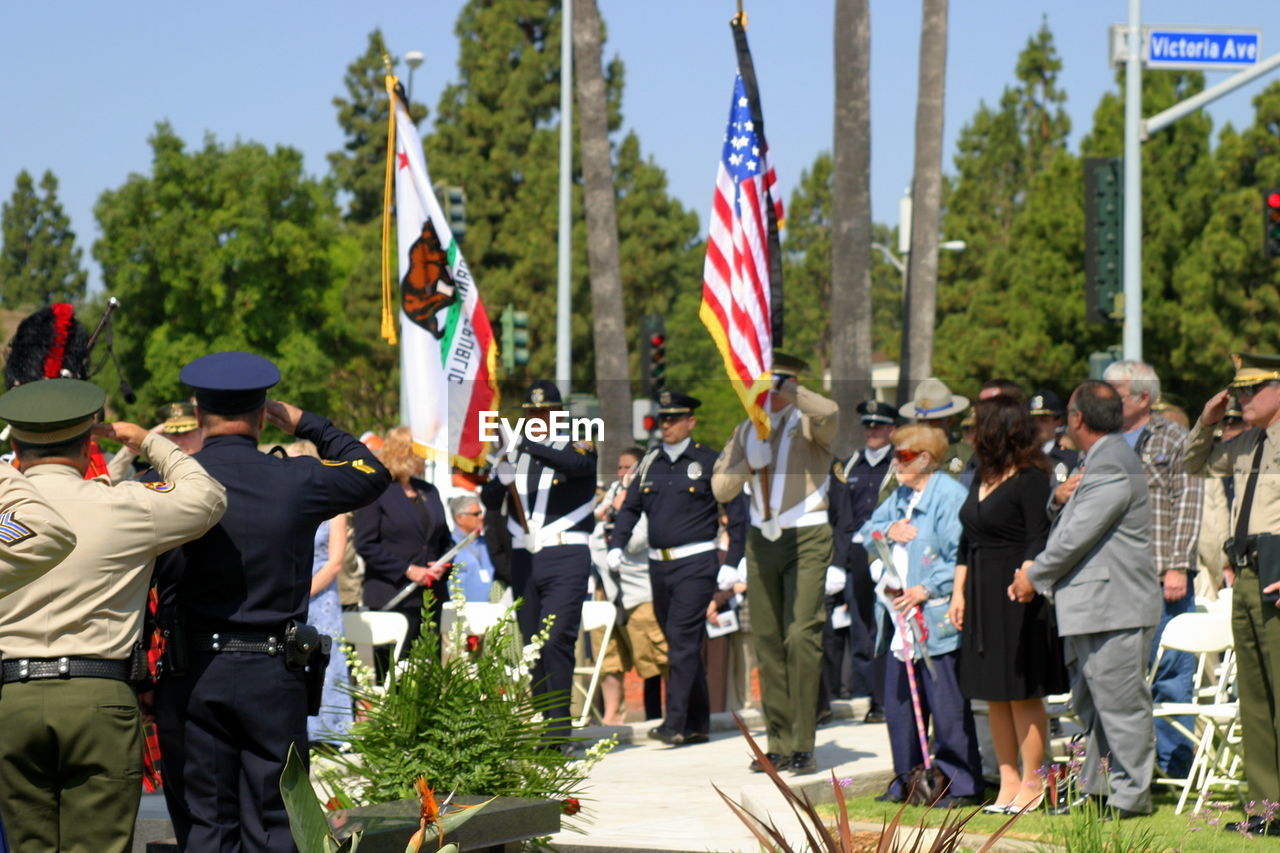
(673, 451)
(875, 457)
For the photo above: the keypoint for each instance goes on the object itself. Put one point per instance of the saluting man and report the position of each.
(1252, 459)
(71, 743)
(547, 489)
(230, 707)
(788, 552)
(672, 488)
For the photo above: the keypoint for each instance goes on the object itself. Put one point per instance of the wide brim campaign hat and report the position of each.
(675, 403)
(1252, 368)
(543, 394)
(933, 400)
(177, 418)
(230, 383)
(785, 364)
(875, 412)
(1044, 402)
(53, 411)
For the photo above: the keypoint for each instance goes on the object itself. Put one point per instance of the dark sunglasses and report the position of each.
(670, 419)
(1251, 390)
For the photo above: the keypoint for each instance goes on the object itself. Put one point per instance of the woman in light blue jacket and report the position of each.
(920, 522)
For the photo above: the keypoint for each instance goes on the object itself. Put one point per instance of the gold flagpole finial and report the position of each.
(386, 60)
(741, 17)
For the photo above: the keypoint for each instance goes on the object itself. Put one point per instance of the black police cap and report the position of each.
(876, 412)
(675, 403)
(230, 383)
(1044, 402)
(543, 394)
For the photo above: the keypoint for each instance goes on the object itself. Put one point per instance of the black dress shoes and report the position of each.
(695, 737)
(875, 715)
(779, 762)
(803, 762)
(667, 736)
(1255, 825)
(1077, 803)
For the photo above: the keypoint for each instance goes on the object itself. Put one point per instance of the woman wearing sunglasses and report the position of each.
(921, 521)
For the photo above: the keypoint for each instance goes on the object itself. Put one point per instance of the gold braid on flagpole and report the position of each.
(388, 305)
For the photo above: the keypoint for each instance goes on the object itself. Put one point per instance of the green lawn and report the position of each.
(1162, 831)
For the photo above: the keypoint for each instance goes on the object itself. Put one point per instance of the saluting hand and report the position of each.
(283, 416)
(1216, 408)
(130, 435)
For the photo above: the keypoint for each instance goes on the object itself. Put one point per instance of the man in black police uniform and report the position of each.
(229, 708)
(853, 492)
(672, 487)
(1046, 410)
(547, 489)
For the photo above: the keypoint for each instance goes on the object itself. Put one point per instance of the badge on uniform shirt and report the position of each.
(160, 486)
(13, 531)
(694, 470)
(955, 466)
(1060, 472)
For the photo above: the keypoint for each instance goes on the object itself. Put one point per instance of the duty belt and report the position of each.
(37, 669)
(239, 641)
(679, 552)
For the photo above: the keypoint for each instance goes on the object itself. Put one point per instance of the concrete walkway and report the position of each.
(645, 796)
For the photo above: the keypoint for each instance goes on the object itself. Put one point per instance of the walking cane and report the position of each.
(915, 692)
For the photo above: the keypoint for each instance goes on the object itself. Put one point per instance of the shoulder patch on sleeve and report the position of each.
(336, 463)
(584, 447)
(160, 486)
(13, 531)
(358, 464)
(837, 469)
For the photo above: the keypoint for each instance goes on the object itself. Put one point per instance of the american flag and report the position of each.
(741, 281)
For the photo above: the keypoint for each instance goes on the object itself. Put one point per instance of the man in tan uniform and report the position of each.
(788, 551)
(70, 743)
(1253, 458)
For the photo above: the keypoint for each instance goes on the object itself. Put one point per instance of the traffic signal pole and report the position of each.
(1132, 339)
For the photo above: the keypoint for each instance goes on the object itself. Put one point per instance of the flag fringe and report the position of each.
(388, 305)
(746, 394)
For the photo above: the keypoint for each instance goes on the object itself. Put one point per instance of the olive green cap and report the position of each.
(52, 411)
(1252, 368)
(785, 364)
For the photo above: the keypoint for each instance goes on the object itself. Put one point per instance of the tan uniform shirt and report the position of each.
(799, 489)
(1234, 458)
(91, 605)
(33, 536)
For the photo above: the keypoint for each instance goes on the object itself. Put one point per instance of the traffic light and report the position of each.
(1104, 238)
(453, 201)
(515, 338)
(1271, 207)
(653, 351)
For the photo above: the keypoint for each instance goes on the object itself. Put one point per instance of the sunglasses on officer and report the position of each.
(1254, 389)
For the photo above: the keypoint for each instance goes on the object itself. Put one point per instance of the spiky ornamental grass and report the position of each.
(467, 721)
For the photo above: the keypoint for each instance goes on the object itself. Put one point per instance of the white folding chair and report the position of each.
(477, 616)
(595, 615)
(1205, 635)
(365, 629)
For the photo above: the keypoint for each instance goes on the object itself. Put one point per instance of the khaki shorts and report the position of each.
(639, 644)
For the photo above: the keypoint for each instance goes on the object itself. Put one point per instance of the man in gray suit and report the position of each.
(1098, 571)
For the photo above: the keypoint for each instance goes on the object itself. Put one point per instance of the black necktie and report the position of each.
(1246, 502)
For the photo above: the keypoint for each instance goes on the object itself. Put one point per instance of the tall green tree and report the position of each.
(39, 261)
(222, 247)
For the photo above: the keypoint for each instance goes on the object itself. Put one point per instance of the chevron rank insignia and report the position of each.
(13, 531)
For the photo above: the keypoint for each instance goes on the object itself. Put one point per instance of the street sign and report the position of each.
(1193, 48)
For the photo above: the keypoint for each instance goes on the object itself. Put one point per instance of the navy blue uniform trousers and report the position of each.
(552, 581)
(682, 589)
(955, 744)
(225, 729)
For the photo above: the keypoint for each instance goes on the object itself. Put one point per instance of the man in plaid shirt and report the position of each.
(1175, 526)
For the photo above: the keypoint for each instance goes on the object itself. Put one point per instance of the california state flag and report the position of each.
(447, 352)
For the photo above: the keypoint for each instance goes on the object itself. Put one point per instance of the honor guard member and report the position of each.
(853, 493)
(1046, 409)
(1253, 461)
(547, 489)
(235, 690)
(934, 406)
(788, 552)
(176, 422)
(71, 743)
(672, 488)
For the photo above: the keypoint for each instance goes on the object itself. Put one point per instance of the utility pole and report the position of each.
(564, 245)
(1132, 340)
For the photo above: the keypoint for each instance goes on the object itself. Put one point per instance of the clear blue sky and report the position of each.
(88, 81)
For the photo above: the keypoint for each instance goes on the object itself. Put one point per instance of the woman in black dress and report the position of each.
(1010, 653)
(402, 535)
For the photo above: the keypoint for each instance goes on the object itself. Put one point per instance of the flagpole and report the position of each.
(565, 244)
